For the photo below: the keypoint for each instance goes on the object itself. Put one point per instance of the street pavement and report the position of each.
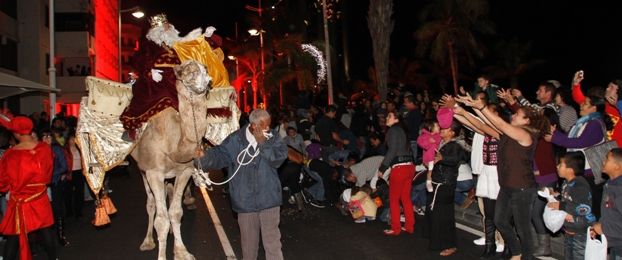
(311, 234)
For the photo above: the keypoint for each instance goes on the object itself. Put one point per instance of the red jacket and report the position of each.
(25, 174)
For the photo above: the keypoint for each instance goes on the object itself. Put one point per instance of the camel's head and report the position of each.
(193, 76)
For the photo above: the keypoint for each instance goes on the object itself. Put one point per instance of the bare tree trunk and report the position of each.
(453, 63)
(380, 28)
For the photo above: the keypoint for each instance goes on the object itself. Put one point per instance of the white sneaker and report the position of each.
(480, 241)
(360, 220)
(500, 247)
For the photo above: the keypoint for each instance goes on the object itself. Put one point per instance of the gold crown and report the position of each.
(158, 20)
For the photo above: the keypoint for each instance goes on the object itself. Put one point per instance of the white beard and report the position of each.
(170, 36)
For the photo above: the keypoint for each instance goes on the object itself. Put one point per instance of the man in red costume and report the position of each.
(25, 173)
(154, 90)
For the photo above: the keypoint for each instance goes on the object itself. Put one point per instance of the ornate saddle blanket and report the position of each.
(99, 129)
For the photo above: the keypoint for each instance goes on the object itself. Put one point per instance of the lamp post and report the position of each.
(237, 73)
(255, 32)
(52, 68)
(136, 12)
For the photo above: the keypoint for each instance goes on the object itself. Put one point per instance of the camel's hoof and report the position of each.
(189, 201)
(147, 245)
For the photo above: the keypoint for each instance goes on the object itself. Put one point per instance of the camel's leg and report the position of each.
(161, 223)
(176, 212)
(189, 200)
(148, 243)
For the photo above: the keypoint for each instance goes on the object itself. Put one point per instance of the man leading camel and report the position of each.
(253, 156)
(154, 89)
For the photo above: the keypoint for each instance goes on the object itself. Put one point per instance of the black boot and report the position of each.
(491, 245)
(60, 227)
(506, 253)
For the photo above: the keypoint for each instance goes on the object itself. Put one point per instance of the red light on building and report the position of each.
(107, 39)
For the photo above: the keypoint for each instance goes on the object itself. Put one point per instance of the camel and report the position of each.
(165, 151)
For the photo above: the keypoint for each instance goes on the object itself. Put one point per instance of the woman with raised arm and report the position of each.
(516, 147)
(486, 167)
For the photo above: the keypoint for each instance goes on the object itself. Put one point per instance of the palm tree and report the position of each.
(404, 71)
(449, 32)
(513, 61)
(380, 27)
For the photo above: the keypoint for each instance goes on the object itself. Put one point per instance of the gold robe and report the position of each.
(200, 50)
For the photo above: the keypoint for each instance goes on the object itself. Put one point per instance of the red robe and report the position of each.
(25, 174)
(150, 97)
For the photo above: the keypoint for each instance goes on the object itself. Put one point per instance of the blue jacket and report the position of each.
(256, 186)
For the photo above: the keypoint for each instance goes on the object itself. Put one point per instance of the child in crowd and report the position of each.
(610, 222)
(576, 200)
(429, 140)
(360, 204)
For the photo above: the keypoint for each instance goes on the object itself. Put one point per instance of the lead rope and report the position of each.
(201, 178)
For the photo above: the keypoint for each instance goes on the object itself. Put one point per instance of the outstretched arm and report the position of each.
(519, 134)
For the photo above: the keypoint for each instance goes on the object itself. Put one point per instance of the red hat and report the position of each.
(19, 124)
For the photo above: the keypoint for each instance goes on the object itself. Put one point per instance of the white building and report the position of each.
(24, 48)
(24, 51)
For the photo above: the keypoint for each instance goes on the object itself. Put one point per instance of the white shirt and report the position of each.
(251, 138)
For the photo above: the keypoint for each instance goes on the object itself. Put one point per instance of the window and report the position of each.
(74, 22)
(9, 7)
(8, 53)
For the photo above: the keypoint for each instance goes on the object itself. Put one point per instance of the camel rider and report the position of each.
(154, 90)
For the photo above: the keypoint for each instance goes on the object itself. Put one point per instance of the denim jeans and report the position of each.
(574, 246)
(413, 149)
(516, 204)
(461, 188)
(317, 190)
(418, 195)
(615, 253)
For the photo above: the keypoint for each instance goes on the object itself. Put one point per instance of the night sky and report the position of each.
(569, 35)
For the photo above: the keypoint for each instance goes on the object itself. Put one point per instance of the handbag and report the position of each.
(595, 156)
(595, 249)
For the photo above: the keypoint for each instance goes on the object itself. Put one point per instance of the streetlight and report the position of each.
(137, 13)
(237, 73)
(255, 32)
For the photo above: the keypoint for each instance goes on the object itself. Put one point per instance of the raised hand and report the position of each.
(447, 101)
(469, 101)
(578, 77)
(612, 99)
(506, 96)
(516, 92)
(462, 91)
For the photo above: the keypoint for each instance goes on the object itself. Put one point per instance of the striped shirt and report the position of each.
(567, 118)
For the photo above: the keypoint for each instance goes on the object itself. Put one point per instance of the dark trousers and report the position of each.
(515, 205)
(58, 198)
(289, 174)
(46, 237)
(74, 195)
(441, 227)
(489, 222)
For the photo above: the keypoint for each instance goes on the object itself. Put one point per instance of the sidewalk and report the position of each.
(472, 220)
